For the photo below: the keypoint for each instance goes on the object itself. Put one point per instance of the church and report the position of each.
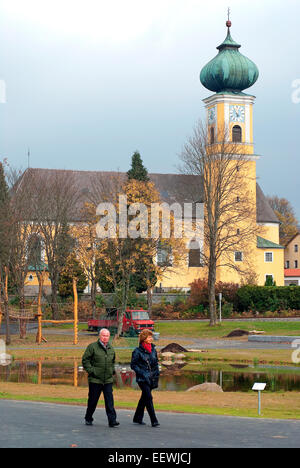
(227, 76)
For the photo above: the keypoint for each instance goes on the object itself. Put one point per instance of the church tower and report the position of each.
(229, 119)
(230, 109)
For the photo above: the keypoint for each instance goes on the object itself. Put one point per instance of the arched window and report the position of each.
(237, 134)
(164, 255)
(194, 254)
(34, 250)
(212, 135)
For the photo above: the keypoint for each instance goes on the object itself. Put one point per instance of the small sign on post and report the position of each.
(259, 387)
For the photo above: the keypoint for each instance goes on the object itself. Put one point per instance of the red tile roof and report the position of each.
(292, 272)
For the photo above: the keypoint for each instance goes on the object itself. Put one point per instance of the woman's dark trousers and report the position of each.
(94, 395)
(146, 401)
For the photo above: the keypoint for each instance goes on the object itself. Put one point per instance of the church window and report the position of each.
(164, 255)
(212, 135)
(238, 256)
(296, 263)
(194, 254)
(34, 250)
(237, 134)
(287, 265)
(296, 248)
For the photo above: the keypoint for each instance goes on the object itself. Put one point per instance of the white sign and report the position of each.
(259, 386)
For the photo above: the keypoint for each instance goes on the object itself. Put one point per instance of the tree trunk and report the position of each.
(125, 287)
(212, 292)
(93, 296)
(54, 305)
(22, 321)
(6, 310)
(149, 300)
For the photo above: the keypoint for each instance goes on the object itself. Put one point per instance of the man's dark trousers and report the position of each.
(94, 395)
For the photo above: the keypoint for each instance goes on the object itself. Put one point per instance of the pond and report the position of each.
(178, 377)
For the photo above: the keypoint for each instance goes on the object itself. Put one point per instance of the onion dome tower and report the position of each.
(229, 71)
(230, 110)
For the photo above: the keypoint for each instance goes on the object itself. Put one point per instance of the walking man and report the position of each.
(99, 362)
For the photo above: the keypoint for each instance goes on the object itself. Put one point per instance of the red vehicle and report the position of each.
(134, 320)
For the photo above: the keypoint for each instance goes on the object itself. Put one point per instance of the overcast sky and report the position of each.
(89, 82)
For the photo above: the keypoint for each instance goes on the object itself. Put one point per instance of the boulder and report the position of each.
(206, 387)
(167, 355)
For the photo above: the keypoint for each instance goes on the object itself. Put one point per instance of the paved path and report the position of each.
(27, 424)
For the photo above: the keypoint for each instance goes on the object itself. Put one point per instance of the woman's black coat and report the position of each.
(145, 365)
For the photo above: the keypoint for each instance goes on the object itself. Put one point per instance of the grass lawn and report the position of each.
(203, 330)
(274, 405)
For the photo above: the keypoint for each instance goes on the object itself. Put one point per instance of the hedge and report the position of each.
(267, 298)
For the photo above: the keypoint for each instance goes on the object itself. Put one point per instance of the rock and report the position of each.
(174, 348)
(167, 355)
(179, 356)
(206, 387)
(256, 332)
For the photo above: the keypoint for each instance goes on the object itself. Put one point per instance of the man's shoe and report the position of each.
(139, 422)
(88, 423)
(114, 424)
(156, 424)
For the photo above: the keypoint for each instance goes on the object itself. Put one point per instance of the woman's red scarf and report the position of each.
(147, 346)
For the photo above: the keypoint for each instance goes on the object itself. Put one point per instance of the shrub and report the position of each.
(199, 294)
(267, 298)
(227, 309)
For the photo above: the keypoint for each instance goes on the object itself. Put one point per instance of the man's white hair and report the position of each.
(104, 330)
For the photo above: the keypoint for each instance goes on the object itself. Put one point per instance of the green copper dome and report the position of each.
(229, 70)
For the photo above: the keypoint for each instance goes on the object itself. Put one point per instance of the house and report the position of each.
(292, 276)
(292, 253)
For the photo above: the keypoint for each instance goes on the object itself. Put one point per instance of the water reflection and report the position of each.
(175, 377)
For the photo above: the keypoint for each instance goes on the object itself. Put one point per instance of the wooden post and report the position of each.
(8, 339)
(39, 336)
(40, 371)
(75, 373)
(0, 300)
(75, 311)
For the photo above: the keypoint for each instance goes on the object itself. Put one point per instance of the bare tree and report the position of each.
(228, 193)
(122, 256)
(286, 215)
(54, 209)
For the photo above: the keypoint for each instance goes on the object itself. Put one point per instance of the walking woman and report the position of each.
(144, 362)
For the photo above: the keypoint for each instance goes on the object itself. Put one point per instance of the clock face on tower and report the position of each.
(212, 115)
(237, 113)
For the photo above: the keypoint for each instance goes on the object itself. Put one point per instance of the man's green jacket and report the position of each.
(99, 363)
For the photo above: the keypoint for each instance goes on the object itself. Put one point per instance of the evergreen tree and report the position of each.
(72, 269)
(138, 171)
